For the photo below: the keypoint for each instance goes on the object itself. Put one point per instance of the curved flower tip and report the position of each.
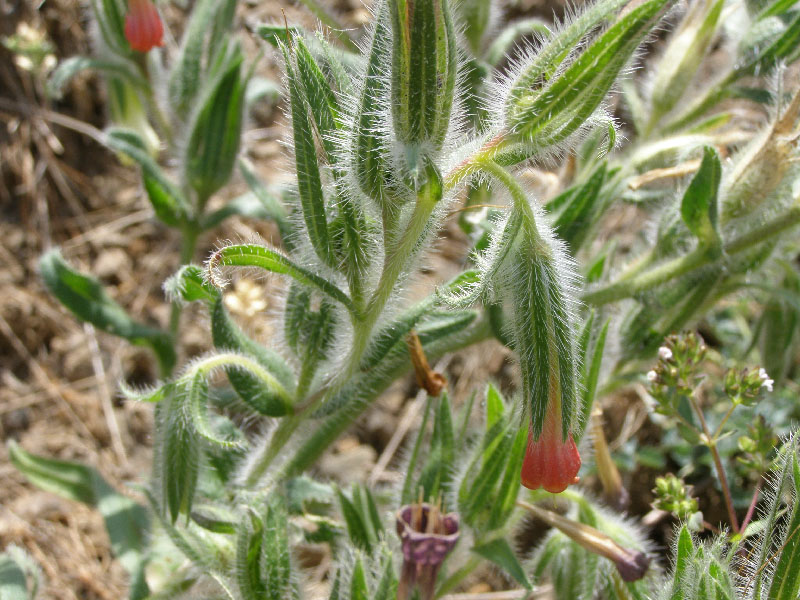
(143, 28)
(633, 565)
(551, 462)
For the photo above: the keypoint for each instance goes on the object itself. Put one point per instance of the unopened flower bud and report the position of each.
(424, 66)
(143, 28)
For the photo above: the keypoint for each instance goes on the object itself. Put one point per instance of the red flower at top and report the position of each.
(551, 462)
(143, 28)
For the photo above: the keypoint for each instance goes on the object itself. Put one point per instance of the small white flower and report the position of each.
(762, 374)
(664, 353)
(767, 383)
(652, 376)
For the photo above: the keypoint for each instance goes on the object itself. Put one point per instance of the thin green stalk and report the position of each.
(723, 479)
(188, 244)
(626, 287)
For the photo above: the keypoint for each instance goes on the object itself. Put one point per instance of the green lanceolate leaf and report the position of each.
(500, 553)
(272, 397)
(187, 74)
(253, 255)
(576, 207)
(506, 496)
(358, 582)
(88, 301)
(197, 407)
(110, 17)
(685, 52)
(178, 456)
(550, 116)
(359, 526)
(591, 379)
(169, 203)
(126, 521)
(216, 130)
(322, 102)
(13, 581)
(437, 472)
(312, 196)
(276, 35)
(699, 203)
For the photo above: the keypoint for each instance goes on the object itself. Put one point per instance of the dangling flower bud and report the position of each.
(143, 28)
(551, 462)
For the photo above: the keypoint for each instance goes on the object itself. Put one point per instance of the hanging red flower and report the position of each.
(143, 28)
(551, 462)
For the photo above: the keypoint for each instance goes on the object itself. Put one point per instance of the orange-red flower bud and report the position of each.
(551, 462)
(143, 27)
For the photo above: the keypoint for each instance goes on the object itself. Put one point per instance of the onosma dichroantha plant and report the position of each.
(682, 119)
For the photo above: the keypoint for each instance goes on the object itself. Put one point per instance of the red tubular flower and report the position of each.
(143, 28)
(551, 462)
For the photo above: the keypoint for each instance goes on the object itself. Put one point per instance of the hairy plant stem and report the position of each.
(361, 392)
(711, 442)
(188, 244)
(627, 286)
(397, 260)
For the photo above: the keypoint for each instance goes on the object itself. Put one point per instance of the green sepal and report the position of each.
(249, 540)
(785, 583)
(360, 517)
(309, 181)
(590, 379)
(87, 300)
(254, 255)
